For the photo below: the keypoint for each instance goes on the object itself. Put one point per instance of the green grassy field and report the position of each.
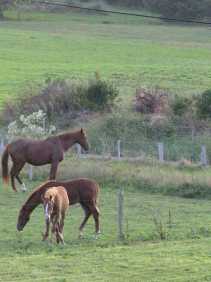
(131, 52)
(127, 50)
(185, 255)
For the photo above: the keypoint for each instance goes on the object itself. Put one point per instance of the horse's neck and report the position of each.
(31, 204)
(67, 140)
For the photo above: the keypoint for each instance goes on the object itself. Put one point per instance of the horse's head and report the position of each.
(48, 203)
(82, 140)
(23, 218)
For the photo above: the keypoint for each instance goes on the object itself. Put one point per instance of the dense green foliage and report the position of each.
(100, 95)
(3, 5)
(181, 105)
(181, 8)
(204, 104)
(63, 98)
(168, 8)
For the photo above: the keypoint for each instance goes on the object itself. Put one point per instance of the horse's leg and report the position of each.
(46, 234)
(22, 183)
(87, 215)
(53, 228)
(56, 229)
(61, 223)
(95, 212)
(60, 237)
(54, 166)
(16, 168)
(61, 227)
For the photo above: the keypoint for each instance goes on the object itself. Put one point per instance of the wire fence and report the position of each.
(196, 149)
(184, 148)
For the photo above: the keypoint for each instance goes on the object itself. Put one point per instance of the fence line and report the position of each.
(119, 149)
(155, 151)
(161, 152)
(120, 213)
(30, 172)
(203, 156)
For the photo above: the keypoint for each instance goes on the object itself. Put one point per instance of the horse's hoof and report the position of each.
(97, 234)
(80, 236)
(23, 189)
(44, 237)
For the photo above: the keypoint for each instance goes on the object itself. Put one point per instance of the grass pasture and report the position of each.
(172, 199)
(130, 51)
(185, 255)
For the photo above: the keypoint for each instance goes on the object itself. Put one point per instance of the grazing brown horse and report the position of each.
(83, 191)
(39, 152)
(56, 203)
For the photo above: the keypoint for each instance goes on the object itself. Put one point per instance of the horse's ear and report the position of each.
(82, 131)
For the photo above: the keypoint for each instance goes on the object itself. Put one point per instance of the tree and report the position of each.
(4, 4)
(180, 8)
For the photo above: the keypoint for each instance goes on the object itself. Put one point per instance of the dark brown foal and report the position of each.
(83, 191)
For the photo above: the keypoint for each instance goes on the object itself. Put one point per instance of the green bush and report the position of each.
(100, 95)
(203, 105)
(180, 8)
(63, 98)
(180, 105)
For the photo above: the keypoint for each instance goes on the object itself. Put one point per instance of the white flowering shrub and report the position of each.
(33, 125)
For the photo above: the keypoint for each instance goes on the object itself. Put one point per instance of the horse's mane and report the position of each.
(67, 133)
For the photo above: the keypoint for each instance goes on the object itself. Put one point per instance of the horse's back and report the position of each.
(35, 152)
(82, 190)
(61, 197)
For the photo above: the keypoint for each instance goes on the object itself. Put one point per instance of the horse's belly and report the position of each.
(38, 162)
(38, 158)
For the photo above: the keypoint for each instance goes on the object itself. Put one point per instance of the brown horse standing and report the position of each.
(56, 203)
(39, 152)
(83, 191)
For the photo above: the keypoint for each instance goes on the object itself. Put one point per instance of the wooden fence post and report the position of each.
(119, 149)
(120, 214)
(2, 146)
(161, 152)
(203, 156)
(78, 148)
(192, 144)
(30, 172)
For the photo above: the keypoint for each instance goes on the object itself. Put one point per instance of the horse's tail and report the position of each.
(4, 163)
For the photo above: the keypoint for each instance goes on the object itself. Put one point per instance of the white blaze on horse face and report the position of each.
(47, 214)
